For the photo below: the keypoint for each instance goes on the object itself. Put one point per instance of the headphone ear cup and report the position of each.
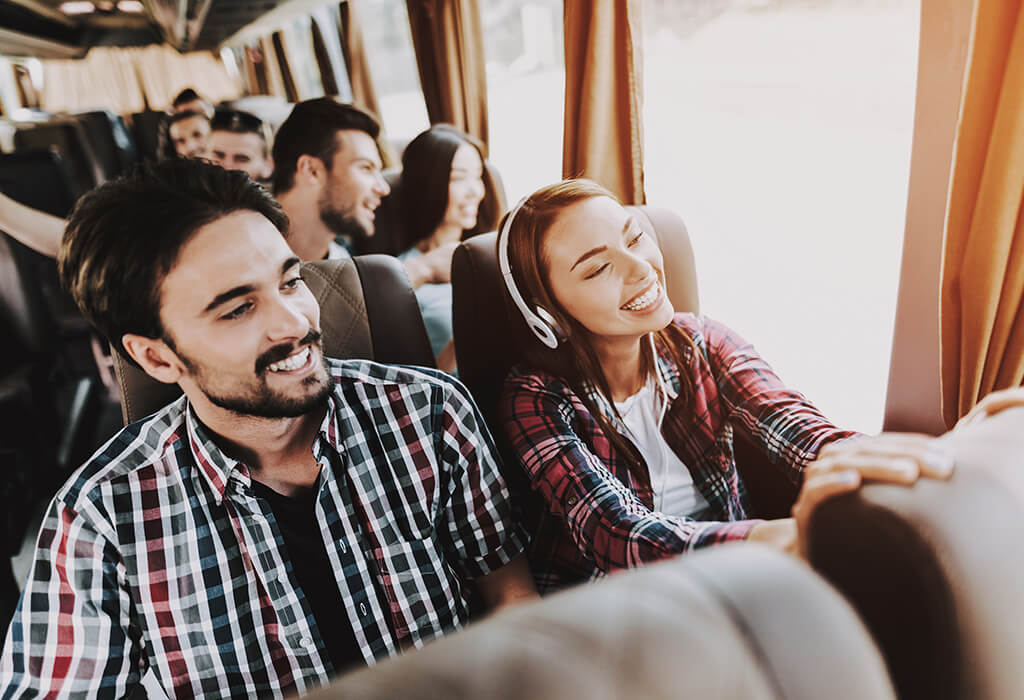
(556, 327)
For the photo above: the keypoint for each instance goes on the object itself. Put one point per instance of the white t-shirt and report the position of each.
(674, 491)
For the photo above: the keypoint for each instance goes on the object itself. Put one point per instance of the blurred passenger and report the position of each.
(189, 134)
(268, 529)
(327, 177)
(442, 188)
(623, 415)
(188, 100)
(239, 141)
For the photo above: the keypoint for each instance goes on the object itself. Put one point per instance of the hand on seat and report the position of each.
(897, 458)
(433, 267)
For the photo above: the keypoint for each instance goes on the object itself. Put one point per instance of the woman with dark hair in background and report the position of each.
(443, 186)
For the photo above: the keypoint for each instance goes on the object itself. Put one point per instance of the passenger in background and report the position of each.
(188, 100)
(189, 133)
(36, 229)
(327, 177)
(624, 414)
(269, 528)
(442, 188)
(241, 141)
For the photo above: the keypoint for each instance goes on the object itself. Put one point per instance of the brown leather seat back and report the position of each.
(733, 622)
(936, 571)
(367, 310)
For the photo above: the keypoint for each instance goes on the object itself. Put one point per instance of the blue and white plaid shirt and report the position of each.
(158, 555)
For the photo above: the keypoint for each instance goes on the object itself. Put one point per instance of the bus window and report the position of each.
(525, 91)
(781, 132)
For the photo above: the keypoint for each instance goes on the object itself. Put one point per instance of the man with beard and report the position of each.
(327, 177)
(289, 516)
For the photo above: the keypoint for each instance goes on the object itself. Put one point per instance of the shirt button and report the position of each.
(342, 547)
(308, 643)
(571, 500)
(362, 608)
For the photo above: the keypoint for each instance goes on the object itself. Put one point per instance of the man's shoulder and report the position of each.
(133, 448)
(384, 376)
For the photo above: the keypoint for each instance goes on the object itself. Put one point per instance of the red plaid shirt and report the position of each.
(598, 518)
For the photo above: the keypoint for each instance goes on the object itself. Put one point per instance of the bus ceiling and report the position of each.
(69, 28)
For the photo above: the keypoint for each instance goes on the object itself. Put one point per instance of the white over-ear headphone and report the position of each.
(539, 319)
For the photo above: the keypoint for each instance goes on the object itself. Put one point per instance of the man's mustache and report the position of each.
(280, 352)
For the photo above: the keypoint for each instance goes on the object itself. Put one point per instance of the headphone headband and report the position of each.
(540, 322)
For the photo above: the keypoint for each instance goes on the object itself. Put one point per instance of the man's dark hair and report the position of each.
(186, 95)
(125, 236)
(310, 130)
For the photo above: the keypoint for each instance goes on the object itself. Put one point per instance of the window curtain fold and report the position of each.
(447, 36)
(982, 295)
(603, 132)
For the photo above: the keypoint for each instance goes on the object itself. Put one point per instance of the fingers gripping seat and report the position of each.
(368, 310)
(734, 622)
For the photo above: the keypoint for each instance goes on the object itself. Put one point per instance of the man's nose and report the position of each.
(287, 321)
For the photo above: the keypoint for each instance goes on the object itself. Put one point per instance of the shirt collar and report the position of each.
(668, 372)
(218, 469)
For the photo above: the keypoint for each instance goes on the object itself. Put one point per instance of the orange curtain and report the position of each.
(982, 301)
(603, 132)
(447, 36)
(290, 91)
(354, 51)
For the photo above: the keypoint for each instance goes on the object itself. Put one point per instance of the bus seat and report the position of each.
(110, 140)
(486, 345)
(38, 178)
(146, 127)
(68, 137)
(388, 223)
(734, 622)
(936, 571)
(367, 310)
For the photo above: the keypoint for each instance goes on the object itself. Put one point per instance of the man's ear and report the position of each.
(310, 168)
(154, 356)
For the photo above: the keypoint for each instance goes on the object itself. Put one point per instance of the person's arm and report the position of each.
(434, 267)
(34, 228)
(484, 537)
(608, 523)
(787, 427)
(508, 585)
(70, 633)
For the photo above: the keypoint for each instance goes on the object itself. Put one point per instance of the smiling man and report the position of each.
(327, 177)
(290, 515)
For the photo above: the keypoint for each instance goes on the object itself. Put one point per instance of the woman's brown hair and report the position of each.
(575, 359)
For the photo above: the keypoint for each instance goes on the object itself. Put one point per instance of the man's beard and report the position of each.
(342, 224)
(263, 402)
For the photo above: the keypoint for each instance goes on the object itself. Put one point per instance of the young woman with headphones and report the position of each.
(624, 413)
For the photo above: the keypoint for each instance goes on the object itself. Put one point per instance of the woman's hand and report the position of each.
(896, 458)
(992, 404)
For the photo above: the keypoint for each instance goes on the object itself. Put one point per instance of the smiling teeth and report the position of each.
(290, 363)
(648, 298)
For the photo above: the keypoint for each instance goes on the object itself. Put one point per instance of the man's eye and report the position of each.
(636, 239)
(292, 283)
(597, 272)
(237, 312)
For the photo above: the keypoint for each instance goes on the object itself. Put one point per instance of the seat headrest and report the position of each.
(736, 621)
(936, 570)
(368, 310)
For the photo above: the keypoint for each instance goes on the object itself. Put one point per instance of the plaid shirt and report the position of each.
(597, 518)
(157, 554)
